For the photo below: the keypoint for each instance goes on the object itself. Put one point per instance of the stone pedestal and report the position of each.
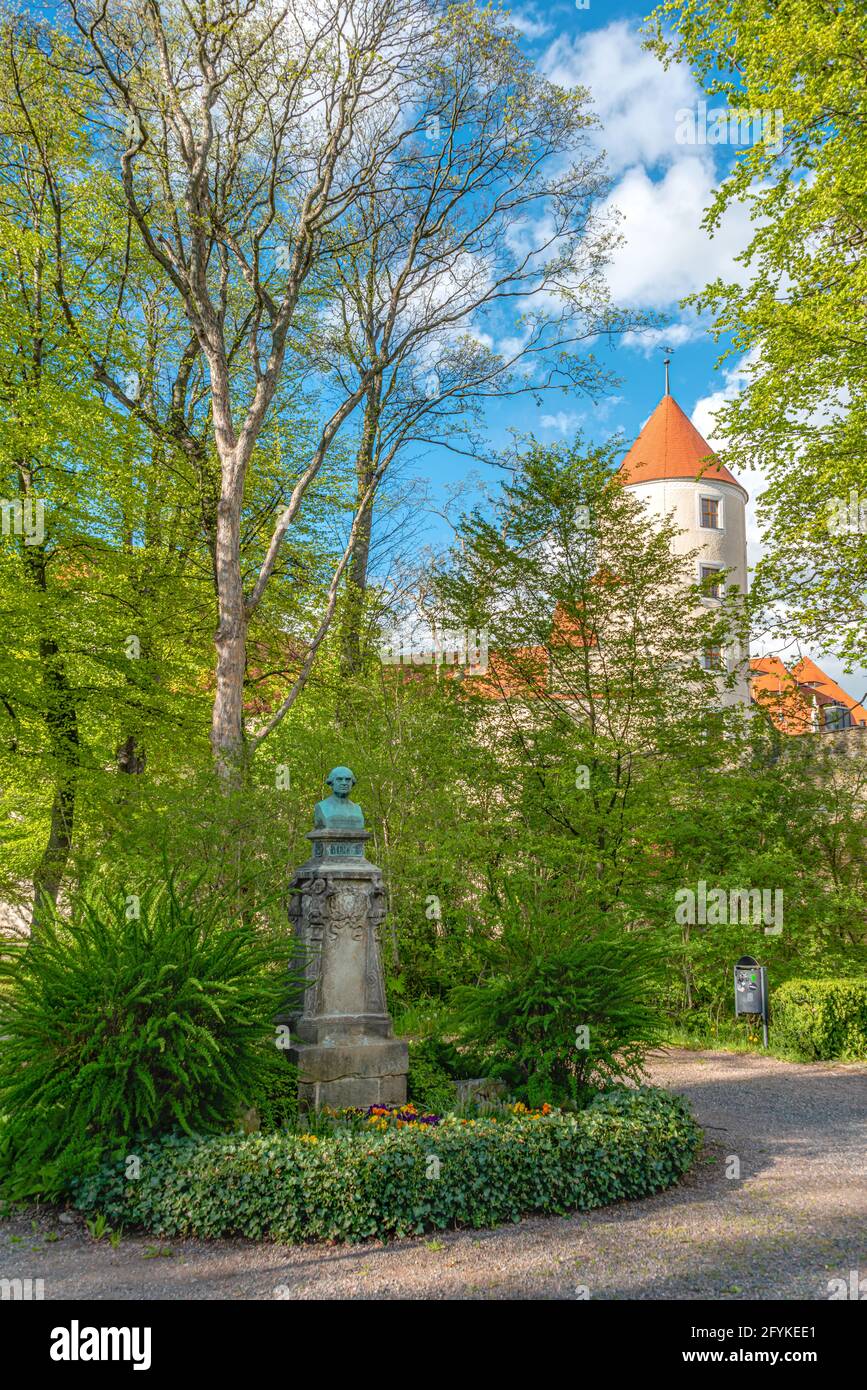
(343, 1042)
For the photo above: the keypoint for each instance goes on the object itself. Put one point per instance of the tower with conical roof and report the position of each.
(674, 472)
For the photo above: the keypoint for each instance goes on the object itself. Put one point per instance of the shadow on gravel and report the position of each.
(796, 1219)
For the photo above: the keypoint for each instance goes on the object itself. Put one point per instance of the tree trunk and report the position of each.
(227, 722)
(61, 718)
(131, 756)
(61, 721)
(356, 585)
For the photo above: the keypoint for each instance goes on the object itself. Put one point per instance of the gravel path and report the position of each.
(796, 1218)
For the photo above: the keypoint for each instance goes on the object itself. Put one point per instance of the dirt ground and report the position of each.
(795, 1219)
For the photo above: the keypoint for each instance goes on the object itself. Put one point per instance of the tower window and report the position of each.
(712, 659)
(710, 513)
(715, 587)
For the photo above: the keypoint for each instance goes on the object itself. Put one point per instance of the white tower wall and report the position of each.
(727, 546)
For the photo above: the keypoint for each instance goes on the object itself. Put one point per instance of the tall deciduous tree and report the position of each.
(436, 387)
(798, 317)
(108, 594)
(598, 694)
(253, 131)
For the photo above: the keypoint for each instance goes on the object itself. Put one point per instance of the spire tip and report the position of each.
(667, 363)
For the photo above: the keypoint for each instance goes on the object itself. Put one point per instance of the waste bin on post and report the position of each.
(751, 991)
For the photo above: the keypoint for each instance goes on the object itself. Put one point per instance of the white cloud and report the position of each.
(648, 342)
(602, 410)
(565, 421)
(666, 254)
(529, 24)
(635, 97)
(705, 411)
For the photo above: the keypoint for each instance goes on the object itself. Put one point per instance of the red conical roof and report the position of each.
(670, 446)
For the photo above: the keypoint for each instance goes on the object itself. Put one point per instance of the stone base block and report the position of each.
(363, 1073)
(480, 1090)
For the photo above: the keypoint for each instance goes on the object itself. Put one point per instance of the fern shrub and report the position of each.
(134, 1017)
(434, 1068)
(562, 1011)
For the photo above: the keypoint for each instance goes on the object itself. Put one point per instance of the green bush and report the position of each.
(429, 1083)
(135, 1017)
(273, 1092)
(347, 1186)
(819, 1020)
(434, 1067)
(547, 978)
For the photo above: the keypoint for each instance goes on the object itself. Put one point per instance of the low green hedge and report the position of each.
(293, 1187)
(821, 1020)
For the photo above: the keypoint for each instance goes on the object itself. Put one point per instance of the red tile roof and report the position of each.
(523, 675)
(775, 689)
(808, 673)
(788, 695)
(670, 446)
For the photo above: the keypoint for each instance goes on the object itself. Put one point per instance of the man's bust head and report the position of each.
(337, 812)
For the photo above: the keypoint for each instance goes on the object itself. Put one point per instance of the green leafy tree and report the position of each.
(797, 318)
(110, 602)
(598, 689)
(244, 204)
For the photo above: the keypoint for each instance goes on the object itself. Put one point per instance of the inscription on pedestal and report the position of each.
(354, 849)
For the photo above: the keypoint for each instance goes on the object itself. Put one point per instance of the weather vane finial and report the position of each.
(667, 362)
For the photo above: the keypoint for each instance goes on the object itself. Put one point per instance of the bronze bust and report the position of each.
(337, 812)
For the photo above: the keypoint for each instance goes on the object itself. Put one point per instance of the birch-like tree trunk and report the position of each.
(263, 148)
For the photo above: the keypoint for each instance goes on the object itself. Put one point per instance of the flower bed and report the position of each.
(383, 1117)
(400, 1181)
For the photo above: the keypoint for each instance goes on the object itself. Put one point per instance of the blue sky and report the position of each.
(662, 188)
